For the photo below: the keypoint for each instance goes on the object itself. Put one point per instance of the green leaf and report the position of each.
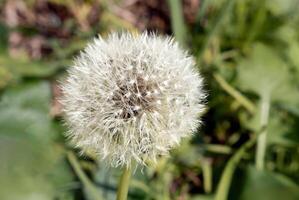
(5, 77)
(293, 52)
(263, 185)
(265, 73)
(25, 111)
(278, 7)
(202, 197)
(30, 160)
(29, 68)
(279, 132)
(280, 129)
(22, 166)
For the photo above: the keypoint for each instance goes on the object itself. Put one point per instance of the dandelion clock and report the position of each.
(131, 98)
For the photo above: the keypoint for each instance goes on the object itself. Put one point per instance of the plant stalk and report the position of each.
(177, 21)
(207, 176)
(223, 187)
(235, 93)
(90, 188)
(262, 138)
(123, 185)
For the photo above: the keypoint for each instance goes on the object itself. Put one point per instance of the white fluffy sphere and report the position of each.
(132, 97)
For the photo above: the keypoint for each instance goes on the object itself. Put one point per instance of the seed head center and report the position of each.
(135, 96)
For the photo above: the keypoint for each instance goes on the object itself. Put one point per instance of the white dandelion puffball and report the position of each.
(131, 97)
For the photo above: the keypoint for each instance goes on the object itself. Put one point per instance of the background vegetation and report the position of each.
(247, 147)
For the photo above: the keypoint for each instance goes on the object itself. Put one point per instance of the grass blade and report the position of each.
(228, 172)
(177, 21)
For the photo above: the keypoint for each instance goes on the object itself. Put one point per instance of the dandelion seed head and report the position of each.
(132, 97)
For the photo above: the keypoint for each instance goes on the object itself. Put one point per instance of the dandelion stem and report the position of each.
(123, 185)
(262, 138)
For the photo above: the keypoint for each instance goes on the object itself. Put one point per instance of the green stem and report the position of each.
(235, 93)
(228, 172)
(177, 20)
(90, 188)
(218, 148)
(262, 138)
(207, 176)
(123, 186)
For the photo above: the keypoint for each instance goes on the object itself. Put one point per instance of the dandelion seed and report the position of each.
(119, 103)
(132, 82)
(146, 78)
(128, 94)
(137, 107)
(156, 91)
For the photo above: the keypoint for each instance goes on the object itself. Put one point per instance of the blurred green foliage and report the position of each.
(248, 52)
